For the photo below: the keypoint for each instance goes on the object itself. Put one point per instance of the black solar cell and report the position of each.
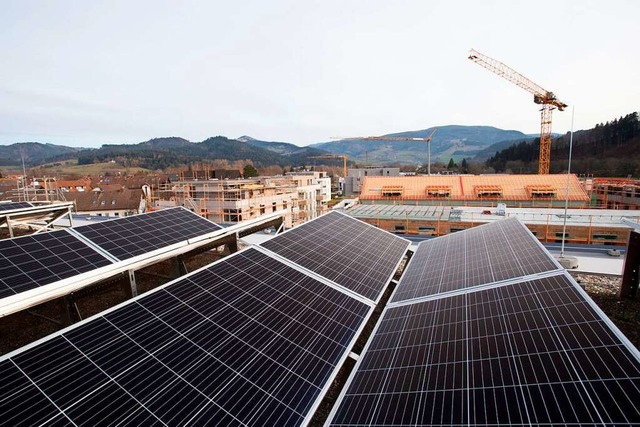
(5, 207)
(343, 249)
(135, 235)
(532, 353)
(489, 253)
(21, 403)
(247, 340)
(32, 261)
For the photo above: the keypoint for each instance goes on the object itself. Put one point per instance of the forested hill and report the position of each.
(161, 153)
(33, 153)
(609, 149)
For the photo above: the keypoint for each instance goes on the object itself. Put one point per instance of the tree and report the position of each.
(249, 171)
(464, 166)
(451, 164)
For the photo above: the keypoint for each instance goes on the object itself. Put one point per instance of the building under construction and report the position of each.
(616, 193)
(302, 195)
(583, 226)
(542, 191)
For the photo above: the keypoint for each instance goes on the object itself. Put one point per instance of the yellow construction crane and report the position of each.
(540, 96)
(335, 156)
(402, 138)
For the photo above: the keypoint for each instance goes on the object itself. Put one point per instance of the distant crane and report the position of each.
(335, 156)
(401, 138)
(540, 96)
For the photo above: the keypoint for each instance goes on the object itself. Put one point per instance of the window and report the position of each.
(488, 191)
(541, 191)
(392, 190)
(399, 229)
(604, 236)
(438, 191)
(232, 215)
(425, 229)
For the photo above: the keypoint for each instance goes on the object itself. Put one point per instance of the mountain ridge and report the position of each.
(450, 141)
(33, 153)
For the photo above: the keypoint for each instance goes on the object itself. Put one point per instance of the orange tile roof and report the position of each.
(465, 187)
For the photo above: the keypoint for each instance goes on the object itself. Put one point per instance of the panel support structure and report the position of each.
(178, 267)
(630, 277)
(8, 219)
(232, 245)
(132, 281)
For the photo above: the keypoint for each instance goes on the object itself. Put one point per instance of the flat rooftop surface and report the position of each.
(595, 217)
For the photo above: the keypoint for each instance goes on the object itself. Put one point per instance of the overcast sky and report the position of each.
(86, 73)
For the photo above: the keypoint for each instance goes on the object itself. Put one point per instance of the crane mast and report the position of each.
(540, 96)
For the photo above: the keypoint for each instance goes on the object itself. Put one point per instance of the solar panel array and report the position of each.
(127, 237)
(531, 351)
(247, 340)
(485, 254)
(4, 207)
(32, 261)
(345, 250)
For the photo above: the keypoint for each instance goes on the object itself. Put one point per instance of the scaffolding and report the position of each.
(44, 189)
(230, 201)
(617, 193)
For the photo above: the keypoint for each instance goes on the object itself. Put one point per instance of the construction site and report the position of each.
(582, 226)
(616, 193)
(302, 196)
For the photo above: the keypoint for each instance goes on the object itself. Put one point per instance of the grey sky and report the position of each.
(85, 73)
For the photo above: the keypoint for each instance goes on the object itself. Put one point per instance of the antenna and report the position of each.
(24, 177)
(567, 261)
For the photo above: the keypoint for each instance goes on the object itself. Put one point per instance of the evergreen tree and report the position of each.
(249, 171)
(451, 164)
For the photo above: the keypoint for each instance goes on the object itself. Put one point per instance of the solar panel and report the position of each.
(247, 340)
(345, 250)
(4, 207)
(139, 234)
(532, 353)
(485, 254)
(31, 261)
